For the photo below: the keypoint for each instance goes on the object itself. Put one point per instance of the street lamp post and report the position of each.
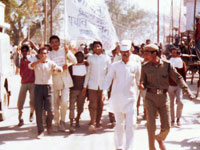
(195, 6)
(172, 19)
(45, 21)
(158, 25)
(179, 27)
(51, 19)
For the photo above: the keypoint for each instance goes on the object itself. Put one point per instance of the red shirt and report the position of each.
(27, 75)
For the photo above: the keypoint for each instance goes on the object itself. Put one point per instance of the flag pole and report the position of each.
(179, 28)
(65, 29)
(51, 18)
(158, 24)
(45, 21)
(195, 6)
(172, 17)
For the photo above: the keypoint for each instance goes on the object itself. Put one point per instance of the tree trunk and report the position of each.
(37, 25)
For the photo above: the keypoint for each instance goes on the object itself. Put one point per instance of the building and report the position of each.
(189, 4)
(5, 65)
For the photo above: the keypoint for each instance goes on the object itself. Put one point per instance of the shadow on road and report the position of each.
(17, 134)
(188, 144)
(29, 131)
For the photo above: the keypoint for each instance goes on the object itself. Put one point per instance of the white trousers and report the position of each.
(61, 103)
(124, 125)
(175, 93)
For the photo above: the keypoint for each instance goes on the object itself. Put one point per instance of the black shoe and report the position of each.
(21, 122)
(178, 122)
(31, 117)
(72, 129)
(49, 130)
(77, 125)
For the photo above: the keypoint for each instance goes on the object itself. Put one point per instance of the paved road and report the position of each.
(24, 138)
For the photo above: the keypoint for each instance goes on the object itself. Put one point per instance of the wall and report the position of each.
(189, 4)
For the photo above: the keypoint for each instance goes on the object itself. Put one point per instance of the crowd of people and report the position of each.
(60, 79)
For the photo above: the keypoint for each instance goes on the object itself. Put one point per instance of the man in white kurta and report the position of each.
(94, 80)
(62, 81)
(125, 75)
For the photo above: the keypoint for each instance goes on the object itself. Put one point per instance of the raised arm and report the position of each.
(71, 58)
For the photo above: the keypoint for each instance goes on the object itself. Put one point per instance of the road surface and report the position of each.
(12, 137)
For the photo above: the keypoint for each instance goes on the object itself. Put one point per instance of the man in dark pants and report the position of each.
(154, 78)
(94, 80)
(44, 69)
(77, 73)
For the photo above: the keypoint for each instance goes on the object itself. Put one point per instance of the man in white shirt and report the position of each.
(62, 81)
(175, 92)
(94, 80)
(44, 69)
(125, 75)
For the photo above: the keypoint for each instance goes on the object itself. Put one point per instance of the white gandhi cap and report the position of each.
(125, 45)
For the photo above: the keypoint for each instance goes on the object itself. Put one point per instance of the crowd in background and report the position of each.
(60, 78)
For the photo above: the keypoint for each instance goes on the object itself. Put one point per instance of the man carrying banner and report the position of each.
(62, 81)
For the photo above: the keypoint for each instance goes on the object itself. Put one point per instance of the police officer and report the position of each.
(154, 78)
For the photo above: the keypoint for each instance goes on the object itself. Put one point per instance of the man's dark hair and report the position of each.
(132, 44)
(148, 40)
(197, 20)
(137, 48)
(91, 46)
(79, 53)
(97, 42)
(25, 47)
(114, 50)
(173, 48)
(48, 46)
(54, 37)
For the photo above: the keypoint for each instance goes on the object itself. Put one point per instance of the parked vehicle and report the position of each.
(6, 70)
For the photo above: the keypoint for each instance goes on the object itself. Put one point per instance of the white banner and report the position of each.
(89, 20)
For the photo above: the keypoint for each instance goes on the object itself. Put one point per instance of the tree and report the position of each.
(23, 14)
(127, 19)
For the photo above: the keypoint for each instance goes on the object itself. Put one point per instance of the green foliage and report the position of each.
(126, 19)
(23, 14)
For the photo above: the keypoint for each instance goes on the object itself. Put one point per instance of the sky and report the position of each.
(165, 9)
(151, 5)
(165, 6)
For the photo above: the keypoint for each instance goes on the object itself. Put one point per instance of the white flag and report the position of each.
(89, 20)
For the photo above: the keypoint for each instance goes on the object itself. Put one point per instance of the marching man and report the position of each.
(125, 75)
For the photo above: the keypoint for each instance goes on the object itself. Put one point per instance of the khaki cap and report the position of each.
(151, 48)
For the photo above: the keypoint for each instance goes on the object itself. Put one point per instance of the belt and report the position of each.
(42, 84)
(157, 91)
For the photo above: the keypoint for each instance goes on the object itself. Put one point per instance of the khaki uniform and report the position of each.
(155, 80)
